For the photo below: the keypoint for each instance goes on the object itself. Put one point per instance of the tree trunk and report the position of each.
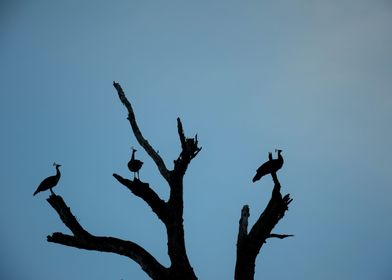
(170, 213)
(249, 244)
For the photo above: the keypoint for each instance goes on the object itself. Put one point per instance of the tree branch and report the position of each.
(170, 212)
(66, 216)
(243, 227)
(249, 244)
(189, 150)
(143, 190)
(84, 240)
(280, 236)
(139, 137)
(270, 217)
(181, 134)
(172, 216)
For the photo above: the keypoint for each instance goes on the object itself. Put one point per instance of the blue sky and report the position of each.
(311, 78)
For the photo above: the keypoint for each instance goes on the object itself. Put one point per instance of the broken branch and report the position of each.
(139, 136)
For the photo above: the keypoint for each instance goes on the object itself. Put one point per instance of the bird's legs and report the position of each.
(52, 191)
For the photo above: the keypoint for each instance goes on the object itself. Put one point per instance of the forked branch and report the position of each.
(249, 244)
(84, 240)
(189, 150)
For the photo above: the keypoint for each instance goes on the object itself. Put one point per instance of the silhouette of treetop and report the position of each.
(170, 213)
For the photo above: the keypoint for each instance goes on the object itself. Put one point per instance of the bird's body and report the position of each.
(134, 165)
(271, 166)
(49, 182)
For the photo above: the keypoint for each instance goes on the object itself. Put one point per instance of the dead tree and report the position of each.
(249, 244)
(170, 213)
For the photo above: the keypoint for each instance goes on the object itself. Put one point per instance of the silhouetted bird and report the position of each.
(50, 182)
(134, 165)
(271, 166)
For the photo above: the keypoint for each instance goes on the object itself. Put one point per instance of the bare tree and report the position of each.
(170, 212)
(249, 244)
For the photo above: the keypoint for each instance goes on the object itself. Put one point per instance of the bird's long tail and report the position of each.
(35, 192)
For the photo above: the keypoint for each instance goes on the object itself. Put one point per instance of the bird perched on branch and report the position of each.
(134, 165)
(50, 182)
(271, 166)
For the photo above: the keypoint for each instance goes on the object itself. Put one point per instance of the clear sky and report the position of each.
(310, 77)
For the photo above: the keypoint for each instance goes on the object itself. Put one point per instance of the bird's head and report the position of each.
(133, 149)
(278, 151)
(56, 165)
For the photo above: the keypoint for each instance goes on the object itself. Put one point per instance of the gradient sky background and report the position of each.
(310, 77)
